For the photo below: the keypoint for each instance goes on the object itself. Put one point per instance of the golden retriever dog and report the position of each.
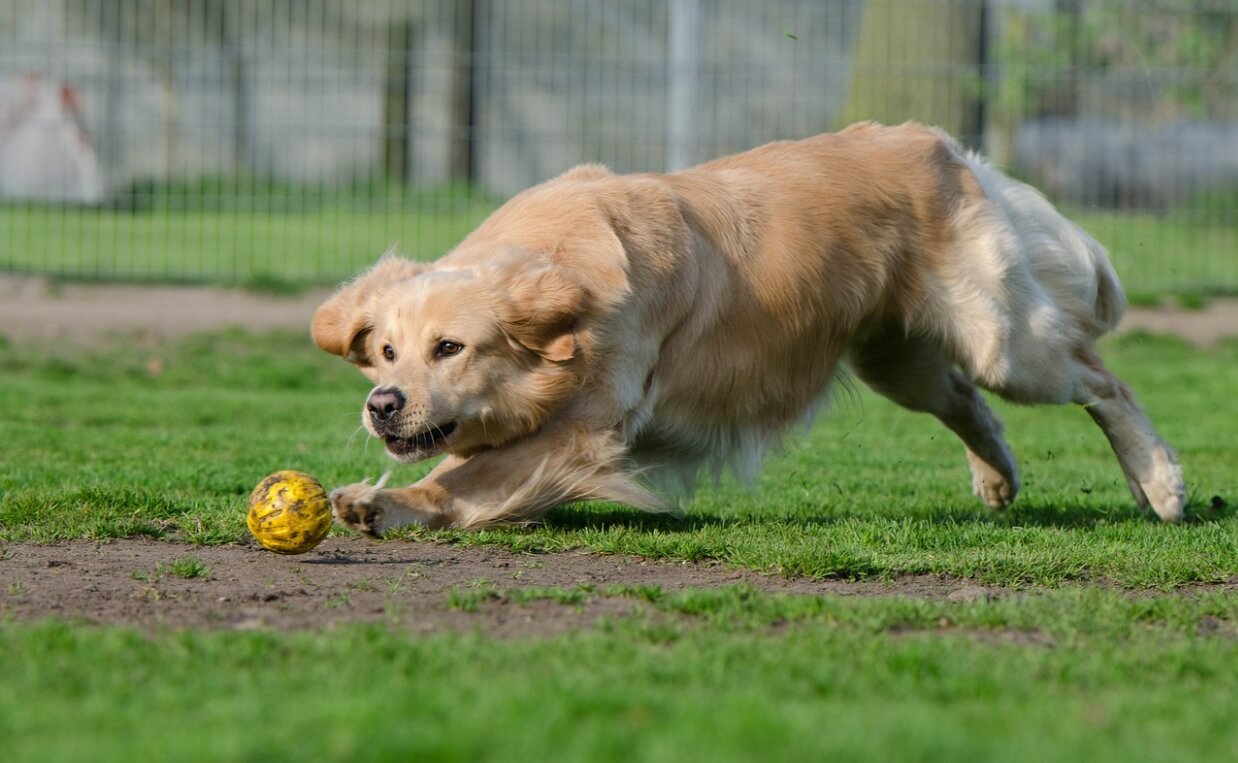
(600, 333)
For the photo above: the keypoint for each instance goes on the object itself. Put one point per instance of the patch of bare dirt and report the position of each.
(32, 308)
(402, 584)
(1203, 328)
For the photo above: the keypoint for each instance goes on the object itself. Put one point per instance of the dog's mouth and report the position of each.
(422, 445)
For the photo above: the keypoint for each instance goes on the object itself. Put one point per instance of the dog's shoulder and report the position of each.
(584, 172)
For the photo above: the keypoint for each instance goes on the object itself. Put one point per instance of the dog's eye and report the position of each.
(388, 352)
(447, 347)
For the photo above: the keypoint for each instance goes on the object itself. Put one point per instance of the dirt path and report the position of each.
(32, 309)
(402, 584)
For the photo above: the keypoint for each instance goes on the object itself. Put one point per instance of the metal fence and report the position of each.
(290, 141)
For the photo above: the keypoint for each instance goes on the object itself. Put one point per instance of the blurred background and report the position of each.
(281, 144)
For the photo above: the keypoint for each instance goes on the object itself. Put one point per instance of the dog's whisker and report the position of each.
(352, 437)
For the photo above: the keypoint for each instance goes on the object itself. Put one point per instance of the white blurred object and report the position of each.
(45, 152)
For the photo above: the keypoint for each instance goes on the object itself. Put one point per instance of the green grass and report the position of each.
(189, 567)
(279, 240)
(268, 251)
(1169, 254)
(97, 447)
(723, 675)
(102, 443)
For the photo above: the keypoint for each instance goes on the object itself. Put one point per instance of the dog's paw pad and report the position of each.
(1166, 491)
(355, 506)
(995, 490)
(1160, 488)
(995, 496)
(991, 486)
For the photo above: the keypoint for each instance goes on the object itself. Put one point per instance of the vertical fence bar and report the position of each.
(462, 158)
(397, 95)
(683, 57)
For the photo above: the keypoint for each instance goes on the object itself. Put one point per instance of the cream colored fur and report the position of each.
(597, 325)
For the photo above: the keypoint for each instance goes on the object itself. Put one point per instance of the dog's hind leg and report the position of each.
(916, 374)
(1152, 471)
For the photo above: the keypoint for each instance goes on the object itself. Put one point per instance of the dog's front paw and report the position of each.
(357, 506)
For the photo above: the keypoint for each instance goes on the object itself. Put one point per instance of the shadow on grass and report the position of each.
(1084, 516)
(329, 561)
(1023, 514)
(601, 517)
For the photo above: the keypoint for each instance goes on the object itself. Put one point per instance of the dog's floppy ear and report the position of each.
(541, 311)
(342, 324)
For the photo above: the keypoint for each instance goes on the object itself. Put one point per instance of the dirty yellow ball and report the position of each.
(289, 512)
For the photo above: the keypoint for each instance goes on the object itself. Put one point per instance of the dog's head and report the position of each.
(462, 360)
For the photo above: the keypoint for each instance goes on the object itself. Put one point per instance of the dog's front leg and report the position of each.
(373, 510)
(513, 484)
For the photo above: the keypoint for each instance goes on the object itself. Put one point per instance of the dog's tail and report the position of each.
(1078, 269)
(1110, 299)
(1064, 259)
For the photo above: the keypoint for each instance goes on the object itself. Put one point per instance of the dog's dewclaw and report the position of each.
(289, 512)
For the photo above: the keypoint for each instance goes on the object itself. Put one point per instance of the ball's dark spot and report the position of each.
(269, 482)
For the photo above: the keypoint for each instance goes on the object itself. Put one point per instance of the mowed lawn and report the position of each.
(321, 242)
(170, 440)
(1117, 644)
(718, 676)
(289, 249)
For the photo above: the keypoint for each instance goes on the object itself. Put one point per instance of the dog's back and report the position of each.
(819, 245)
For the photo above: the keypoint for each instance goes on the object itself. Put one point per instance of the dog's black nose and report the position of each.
(383, 403)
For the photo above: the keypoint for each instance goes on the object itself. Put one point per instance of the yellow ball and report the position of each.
(289, 512)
